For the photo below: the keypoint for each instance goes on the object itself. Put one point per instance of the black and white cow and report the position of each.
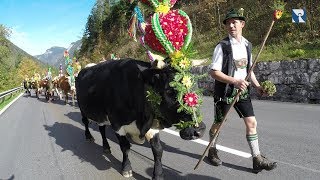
(115, 92)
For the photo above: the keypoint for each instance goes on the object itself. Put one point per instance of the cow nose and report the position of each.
(192, 133)
(197, 134)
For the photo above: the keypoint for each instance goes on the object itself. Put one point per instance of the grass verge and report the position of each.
(7, 100)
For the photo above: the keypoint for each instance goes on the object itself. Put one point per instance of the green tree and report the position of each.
(4, 49)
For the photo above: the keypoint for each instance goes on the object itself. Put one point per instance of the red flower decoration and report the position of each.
(152, 41)
(174, 27)
(277, 14)
(191, 99)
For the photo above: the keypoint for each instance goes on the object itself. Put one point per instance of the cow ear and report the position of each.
(151, 76)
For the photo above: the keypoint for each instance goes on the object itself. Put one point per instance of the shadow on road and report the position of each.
(170, 172)
(76, 116)
(236, 167)
(10, 178)
(29, 96)
(71, 138)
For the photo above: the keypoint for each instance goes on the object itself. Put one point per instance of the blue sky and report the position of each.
(37, 25)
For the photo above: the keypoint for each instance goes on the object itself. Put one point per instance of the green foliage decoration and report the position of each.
(185, 84)
(155, 100)
(269, 87)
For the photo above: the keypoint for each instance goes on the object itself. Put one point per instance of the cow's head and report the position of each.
(159, 80)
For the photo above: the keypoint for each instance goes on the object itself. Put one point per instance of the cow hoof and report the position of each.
(107, 151)
(127, 174)
(192, 133)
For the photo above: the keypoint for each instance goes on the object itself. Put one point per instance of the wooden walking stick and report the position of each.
(276, 16)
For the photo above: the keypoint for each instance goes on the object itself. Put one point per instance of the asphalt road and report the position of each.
(41, 140)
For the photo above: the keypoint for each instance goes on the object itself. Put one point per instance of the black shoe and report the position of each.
(213, 157)
(260, 162)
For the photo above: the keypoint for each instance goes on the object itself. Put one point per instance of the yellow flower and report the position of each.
(163, 8)
(186, 80)
(185, 63)
(277, 14)
(174, 62)
(176, 55)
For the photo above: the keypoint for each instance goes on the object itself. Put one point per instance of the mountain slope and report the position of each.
(15, 56)
(54, 55)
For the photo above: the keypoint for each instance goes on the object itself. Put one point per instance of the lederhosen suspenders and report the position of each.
(223, 91)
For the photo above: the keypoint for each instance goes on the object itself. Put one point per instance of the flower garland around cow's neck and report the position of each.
(189, 95)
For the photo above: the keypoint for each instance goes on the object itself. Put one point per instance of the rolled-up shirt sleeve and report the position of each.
(217, 58)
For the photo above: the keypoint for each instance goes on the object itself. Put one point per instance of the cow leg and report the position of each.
(88, 135)
(73, 97)
(125, 148)
(157, 151)
(106, 147)
(37, 93)
(66, 97)
(47, 94)
(57, 91)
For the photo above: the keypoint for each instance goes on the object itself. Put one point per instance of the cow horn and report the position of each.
(199, 62)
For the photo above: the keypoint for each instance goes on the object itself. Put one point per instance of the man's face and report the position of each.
(234, 27)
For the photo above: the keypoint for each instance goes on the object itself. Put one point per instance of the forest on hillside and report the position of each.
(106, 29)
(106, 33)
(15, 64)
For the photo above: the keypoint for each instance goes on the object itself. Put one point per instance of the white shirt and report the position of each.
(239, 52)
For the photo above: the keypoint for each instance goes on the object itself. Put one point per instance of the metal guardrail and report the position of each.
(9, 92)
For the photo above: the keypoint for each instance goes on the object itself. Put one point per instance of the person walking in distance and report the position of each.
(231, 62)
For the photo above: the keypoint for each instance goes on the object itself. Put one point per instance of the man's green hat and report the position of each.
(236, 14)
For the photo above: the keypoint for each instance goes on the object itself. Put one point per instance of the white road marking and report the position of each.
(238, 153)
(219, 147)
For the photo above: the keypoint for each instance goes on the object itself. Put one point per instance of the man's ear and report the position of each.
(243, 23)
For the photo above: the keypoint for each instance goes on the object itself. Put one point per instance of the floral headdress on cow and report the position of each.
(167, 34)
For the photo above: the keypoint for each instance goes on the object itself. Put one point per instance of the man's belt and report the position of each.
(229, 100)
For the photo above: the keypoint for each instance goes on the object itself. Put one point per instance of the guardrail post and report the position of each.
(2, 100)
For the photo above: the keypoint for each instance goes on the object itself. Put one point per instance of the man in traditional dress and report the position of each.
(231, 61)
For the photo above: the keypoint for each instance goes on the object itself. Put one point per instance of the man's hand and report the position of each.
(261, 91)
(241, 84)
